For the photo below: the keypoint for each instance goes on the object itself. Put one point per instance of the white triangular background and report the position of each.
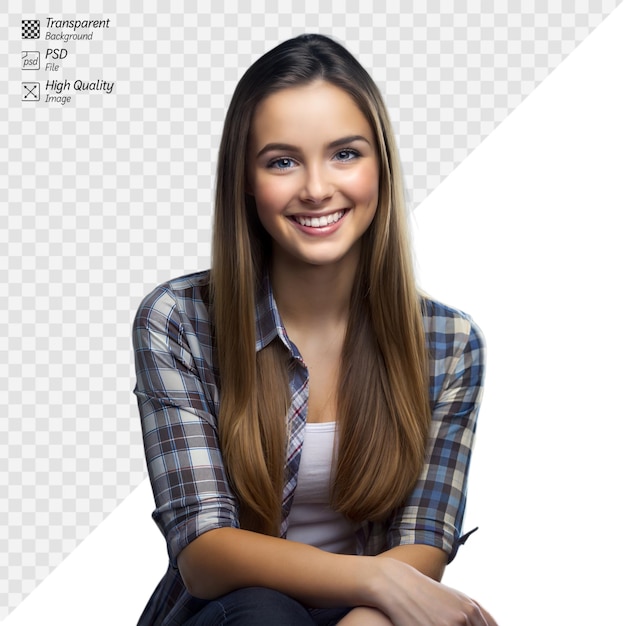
(527, 236)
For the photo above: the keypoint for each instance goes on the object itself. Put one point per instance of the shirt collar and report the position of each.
(268, 322)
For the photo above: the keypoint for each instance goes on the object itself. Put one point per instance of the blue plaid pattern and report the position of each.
(178, 397)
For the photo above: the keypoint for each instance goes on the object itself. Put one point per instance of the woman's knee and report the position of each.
(253, 606)
(258, 605)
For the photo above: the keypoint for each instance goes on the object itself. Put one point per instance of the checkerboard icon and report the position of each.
(30, 29)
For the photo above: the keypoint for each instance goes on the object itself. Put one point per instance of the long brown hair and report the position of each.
(383, 408)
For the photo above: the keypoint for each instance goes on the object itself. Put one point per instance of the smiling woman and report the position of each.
(308, 415)
(315, 188)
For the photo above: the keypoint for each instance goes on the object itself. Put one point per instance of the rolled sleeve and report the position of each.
(433, 514)
(178, 405)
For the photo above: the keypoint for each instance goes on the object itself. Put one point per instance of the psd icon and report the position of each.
(30, 60)
(30, 29)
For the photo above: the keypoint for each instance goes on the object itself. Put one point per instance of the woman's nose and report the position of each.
(317, 186)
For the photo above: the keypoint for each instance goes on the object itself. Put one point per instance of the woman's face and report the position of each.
(313, 171)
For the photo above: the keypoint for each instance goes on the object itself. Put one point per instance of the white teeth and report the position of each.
(319, 222)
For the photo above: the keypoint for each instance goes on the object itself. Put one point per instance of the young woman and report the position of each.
(308, 416)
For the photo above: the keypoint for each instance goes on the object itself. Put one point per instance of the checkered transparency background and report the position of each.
(108, 195)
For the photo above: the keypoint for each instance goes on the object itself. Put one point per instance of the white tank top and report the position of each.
(311, 520)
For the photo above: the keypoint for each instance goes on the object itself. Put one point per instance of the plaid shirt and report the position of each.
(178, 400)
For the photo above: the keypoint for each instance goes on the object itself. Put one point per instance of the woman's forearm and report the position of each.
(426, 559)
(225, 559)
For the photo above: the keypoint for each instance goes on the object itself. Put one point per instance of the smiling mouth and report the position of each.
(319, 222)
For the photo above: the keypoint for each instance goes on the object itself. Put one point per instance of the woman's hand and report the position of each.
(410, 598)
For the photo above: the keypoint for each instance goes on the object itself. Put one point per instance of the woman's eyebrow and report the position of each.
(278, 147)
(348, 139)
(286, 147)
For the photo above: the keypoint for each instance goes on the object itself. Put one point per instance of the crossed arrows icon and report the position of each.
(31, 91)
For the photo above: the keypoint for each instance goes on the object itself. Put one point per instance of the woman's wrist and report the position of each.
(377, 581)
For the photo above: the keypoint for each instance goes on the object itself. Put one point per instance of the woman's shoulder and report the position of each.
(447, 326)
(184, 295)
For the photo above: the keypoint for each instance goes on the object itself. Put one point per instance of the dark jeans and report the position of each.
(257, 606)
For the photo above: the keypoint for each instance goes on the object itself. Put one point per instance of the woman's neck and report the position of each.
(313, 297)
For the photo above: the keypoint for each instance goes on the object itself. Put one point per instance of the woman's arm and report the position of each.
(177, 398)
(226, 558)
(426, 559)
(433, 513)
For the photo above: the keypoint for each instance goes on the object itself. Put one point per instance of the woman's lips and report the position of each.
(314, 221)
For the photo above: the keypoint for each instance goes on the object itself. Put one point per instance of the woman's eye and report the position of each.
(346, 155)
(283, 163)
